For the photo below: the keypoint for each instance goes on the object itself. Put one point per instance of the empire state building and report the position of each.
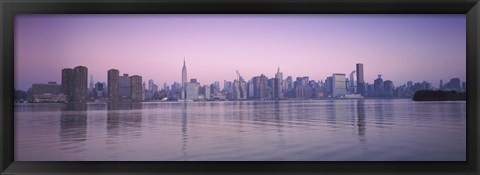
(184, 74)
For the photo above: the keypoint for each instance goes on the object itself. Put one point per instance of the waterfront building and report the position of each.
(339, 85)
(150, 85)
(113, 89)
(378, 86)
(250, 90)
(67, 83)
(409, 84)
(50, 92)
(289, 82)
(80, 81)
(227, 85)
(464, 86)
(99, 90)
(184, 74)
(262, 87)
(92, 85)
(328, 90)
(191, 92)
(454, 85)
(136, 88)
(256, 86)
(388, 88)
(278, 85)
(206, 92)
(124, 86)
(277, 88)
(352, 83)
(360, 79)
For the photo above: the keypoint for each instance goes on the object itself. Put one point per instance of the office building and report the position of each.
(388, 88)
(262, 87)
(352, 83)
(339, 85)
(360, 79)
(206, 92)
(378, 86)
(184, 74)
(191, 91)
(91, 83)
(278, 85)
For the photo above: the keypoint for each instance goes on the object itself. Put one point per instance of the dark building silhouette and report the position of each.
(378, 86)
(388, 88)
(136, 88)
(256, 86)
(113, 75)
(360, 80)
(67, 83)
(75, 83)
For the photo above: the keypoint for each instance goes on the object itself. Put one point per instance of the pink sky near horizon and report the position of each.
(400, 47)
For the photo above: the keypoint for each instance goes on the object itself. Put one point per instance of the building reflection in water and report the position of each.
(124, 122)
(184, 129)
(278, 113)
(361, 123)
(73, 127)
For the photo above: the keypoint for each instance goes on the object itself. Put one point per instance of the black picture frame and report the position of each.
(9, 8)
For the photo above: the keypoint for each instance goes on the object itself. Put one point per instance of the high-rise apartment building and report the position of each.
(67, 83)
(136, 88)
(378, 86)
(124, 86)
(80, 83)
(113, 76)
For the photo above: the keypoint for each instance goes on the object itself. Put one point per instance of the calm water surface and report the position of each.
(398, 129)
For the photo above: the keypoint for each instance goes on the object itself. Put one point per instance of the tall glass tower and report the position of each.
(360, 80)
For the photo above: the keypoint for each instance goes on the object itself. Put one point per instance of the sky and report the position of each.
(399, 47)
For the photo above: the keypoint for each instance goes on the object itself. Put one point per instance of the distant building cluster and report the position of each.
(123, 87)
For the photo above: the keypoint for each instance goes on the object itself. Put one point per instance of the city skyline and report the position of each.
(437, 59)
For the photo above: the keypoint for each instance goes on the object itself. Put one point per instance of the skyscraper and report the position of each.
(67, 83)
(184, 78)
(352, 82)
(184, 73)
(388, 88)
(262, 87)
(80, 81)
(339, 85)
(113, 75)
(91, 83)
(136, 88)
(360, 80)
(378, 86)
(124, 86)
(277, 85)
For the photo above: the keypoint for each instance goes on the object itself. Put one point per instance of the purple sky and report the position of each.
(400, 47)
